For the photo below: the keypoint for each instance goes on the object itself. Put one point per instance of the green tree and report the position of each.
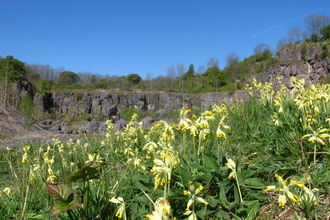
(27, 106)
(45, 85)
(134, 78)
(325, 31)
(188, 77)
(93, 80)
(102, 84)
(11, 70)
(215, 77)
(314, 38)
(267, 54)
(67, 78)
(190, 73)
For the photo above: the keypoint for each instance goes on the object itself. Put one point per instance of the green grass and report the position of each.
(215, 164)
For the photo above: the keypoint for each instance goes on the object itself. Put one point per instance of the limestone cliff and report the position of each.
(107, 104)
(301, 60)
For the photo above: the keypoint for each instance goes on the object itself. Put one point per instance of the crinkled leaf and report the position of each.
(63, 193)
(73, 197)
(86, 171)
(61, 207)
(59, 191)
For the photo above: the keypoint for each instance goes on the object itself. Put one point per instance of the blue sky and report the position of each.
(120, 37)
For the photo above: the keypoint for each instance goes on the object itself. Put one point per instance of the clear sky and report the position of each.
(120, 37)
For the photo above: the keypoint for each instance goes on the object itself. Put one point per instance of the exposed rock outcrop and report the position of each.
(300, 60)
(106, 105)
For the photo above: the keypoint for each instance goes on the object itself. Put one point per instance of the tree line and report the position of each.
(206, 78)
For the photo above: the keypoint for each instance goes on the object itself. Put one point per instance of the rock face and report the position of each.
(300, 60)
(106, 105)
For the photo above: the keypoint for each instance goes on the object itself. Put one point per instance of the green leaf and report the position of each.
(41, 216)
(223, 198)
(255, 182)
(59, 191)
(236, 217)
(252, 210)
(87, 171)
(185, 176)
(139, 182)
(61, 207)
(210, 162)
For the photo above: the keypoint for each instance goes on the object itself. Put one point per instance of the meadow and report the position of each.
(263, 159)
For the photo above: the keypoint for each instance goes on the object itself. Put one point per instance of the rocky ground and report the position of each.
(16, 129)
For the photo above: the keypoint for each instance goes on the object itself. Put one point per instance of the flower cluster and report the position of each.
(162, 170)
(193, 194)
(287, 191)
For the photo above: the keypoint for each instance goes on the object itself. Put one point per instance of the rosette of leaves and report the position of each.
(67, 200)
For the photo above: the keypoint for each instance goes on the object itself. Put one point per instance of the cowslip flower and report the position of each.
(162, 170)
(121, 212)
(162, 210)
(231, 165)
(318, 135)
(284, 190)
(110, 125)
(51, 176)
(220, 132)
(192, 194)
(25, 157)
(6, 191)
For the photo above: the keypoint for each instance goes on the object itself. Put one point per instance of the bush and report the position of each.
(27, 106)
(75, 86)
(126, 113)
(304, 52)
(45, 85)
(315, 38)
(325, 51)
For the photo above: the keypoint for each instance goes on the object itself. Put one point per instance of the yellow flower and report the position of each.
(186, 193)
(154, 216)
(284, 190)
(162, 170)
(121, 210)
(201, 200)
(231, 164)
(6, 191)
(281, 200)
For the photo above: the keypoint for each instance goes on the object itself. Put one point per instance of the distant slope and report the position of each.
(12, 120)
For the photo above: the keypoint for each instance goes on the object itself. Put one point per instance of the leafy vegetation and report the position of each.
(27, 106)
(265, 159)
